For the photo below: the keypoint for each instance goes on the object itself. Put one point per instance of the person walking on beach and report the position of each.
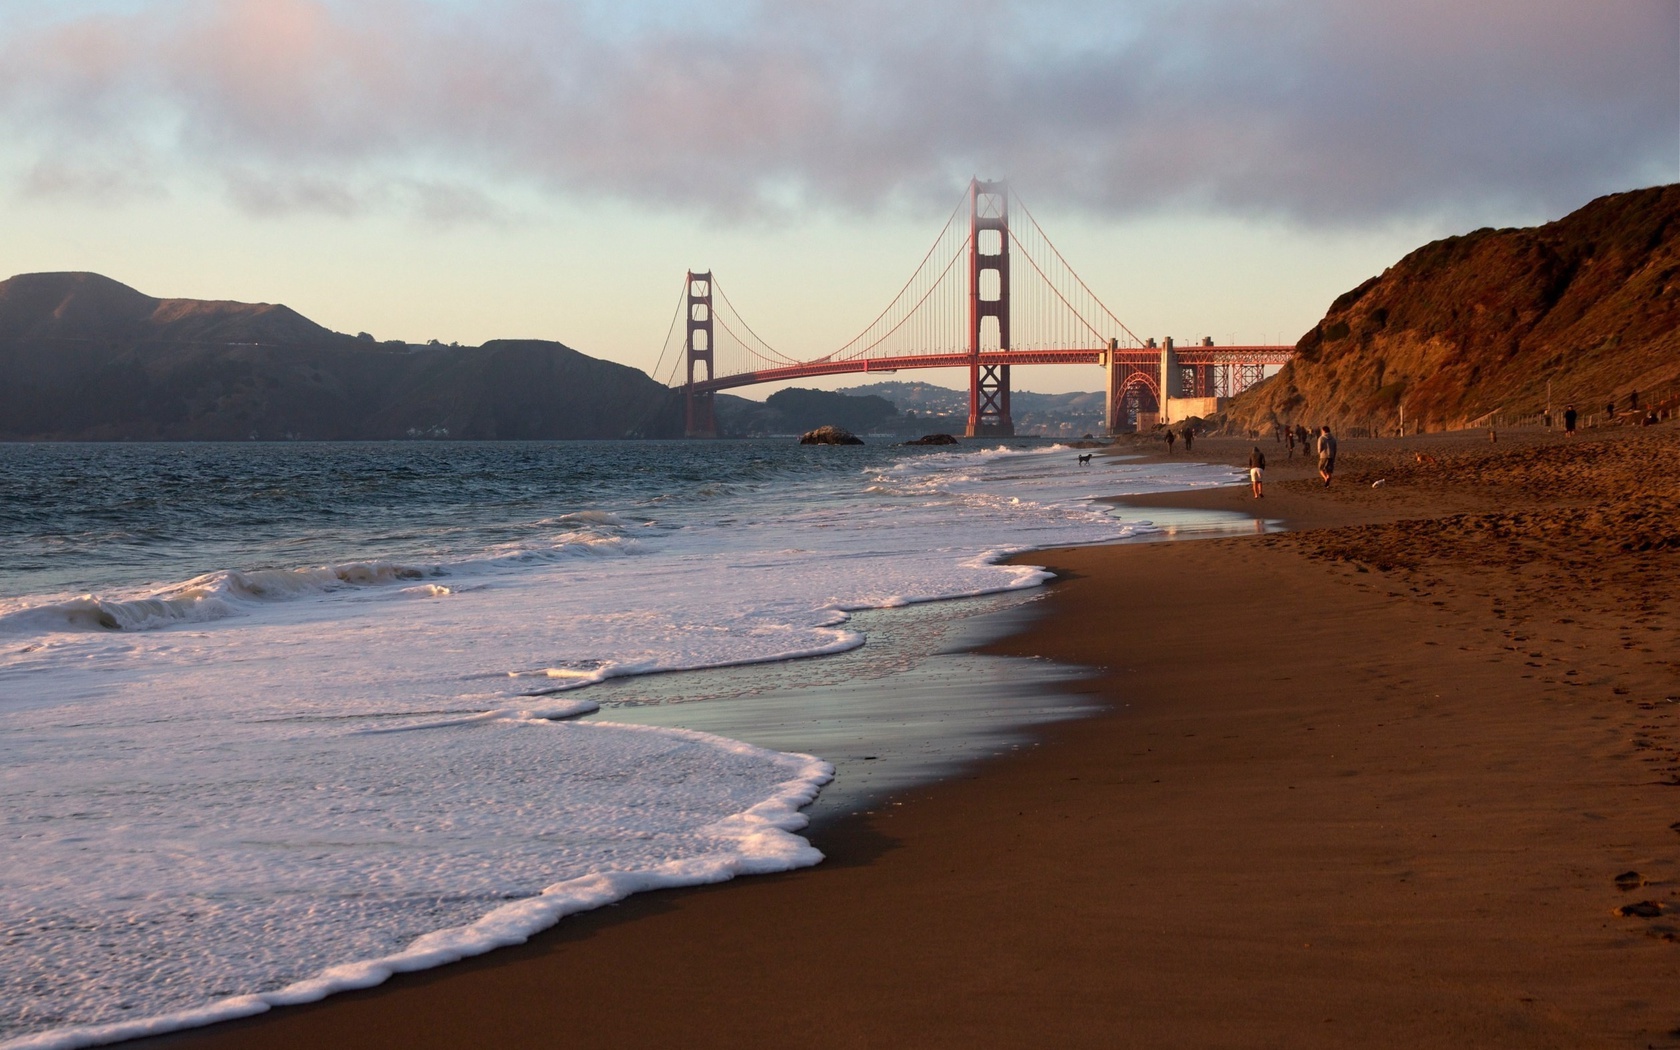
(1257, 468)
(1569, 417)
(1189, 439)
(1171, 437)
(1326, 454)
(1289, 441)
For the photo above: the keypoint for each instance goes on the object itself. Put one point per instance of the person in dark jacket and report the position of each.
(1326, 454)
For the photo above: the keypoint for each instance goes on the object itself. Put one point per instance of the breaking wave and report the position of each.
(233, 592)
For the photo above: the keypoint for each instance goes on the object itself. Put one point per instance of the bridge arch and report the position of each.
(1131, 387)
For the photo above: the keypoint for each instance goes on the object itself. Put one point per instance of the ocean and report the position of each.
(278, 720)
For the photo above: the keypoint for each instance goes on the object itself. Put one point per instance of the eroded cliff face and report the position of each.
(83, 357)
(1480, 323)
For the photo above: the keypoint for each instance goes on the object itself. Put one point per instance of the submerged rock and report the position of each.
(830, 435)
(932, 439)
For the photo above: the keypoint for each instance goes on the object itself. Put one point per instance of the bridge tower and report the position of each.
(701, 421)
(988, 254)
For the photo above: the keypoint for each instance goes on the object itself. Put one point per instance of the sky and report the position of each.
(439, 169)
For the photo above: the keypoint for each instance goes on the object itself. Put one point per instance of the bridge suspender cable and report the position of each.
(1071, 271)
(665, 349)
(864, 352)
(1057, 291)
(773, 352)
(721, 323)
(907, 284)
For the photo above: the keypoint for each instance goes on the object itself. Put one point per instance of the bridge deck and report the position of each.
(1137, 356)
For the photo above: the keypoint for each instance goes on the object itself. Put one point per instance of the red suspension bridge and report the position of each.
(987, 296)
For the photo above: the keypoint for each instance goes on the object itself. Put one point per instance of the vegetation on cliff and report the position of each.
(1484, 324)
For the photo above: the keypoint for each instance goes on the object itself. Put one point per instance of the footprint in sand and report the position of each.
(1641, 910)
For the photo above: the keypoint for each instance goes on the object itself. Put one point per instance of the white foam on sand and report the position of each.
(289, 867)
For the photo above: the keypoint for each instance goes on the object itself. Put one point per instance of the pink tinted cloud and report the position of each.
(1319, 110)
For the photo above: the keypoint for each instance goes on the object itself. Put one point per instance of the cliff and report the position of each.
(1481, 323)
(83, 357)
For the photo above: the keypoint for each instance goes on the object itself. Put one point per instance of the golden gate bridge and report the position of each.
(988, 296)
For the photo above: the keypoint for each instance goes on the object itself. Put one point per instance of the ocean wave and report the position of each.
(596, 517)
(553, 711)
(825, 639)
(213, 596)
(427, 590)
(234, 592)
(563, 548)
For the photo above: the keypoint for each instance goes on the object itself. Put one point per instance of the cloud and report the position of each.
(96, 180)
(1319, 111)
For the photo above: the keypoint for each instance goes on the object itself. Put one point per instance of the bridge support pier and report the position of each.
(1172, 382)
(988, 273)
(988, 401)
(701, 421)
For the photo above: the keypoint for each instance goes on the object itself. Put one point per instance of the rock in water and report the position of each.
(830, 435)
(933, 439)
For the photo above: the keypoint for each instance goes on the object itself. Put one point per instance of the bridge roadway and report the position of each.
(1137, 357)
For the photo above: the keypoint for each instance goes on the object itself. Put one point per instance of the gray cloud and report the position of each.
(1319, 111)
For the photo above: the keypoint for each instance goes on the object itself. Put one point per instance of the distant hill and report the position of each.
(83, 357)
(926, 408)
(809, 409)
(795, 410)
(1589, 304)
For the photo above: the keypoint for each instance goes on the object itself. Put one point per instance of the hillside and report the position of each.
(927, 407)
(795, 410)
(1484, 322)
(86, 358)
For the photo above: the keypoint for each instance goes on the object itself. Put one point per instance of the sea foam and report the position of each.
(340, 872)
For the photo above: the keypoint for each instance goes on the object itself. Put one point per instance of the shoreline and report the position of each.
(1340, 793)
(916, 705)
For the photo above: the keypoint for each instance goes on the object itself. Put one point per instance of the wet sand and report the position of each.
(1371, 783)
(913, 706)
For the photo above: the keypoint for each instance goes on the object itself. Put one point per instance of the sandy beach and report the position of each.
(1405, 775)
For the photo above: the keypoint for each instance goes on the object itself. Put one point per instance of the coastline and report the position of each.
(1341, 793)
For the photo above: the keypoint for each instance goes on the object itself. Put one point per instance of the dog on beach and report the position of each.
(1086, 458)
(1424, 457)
